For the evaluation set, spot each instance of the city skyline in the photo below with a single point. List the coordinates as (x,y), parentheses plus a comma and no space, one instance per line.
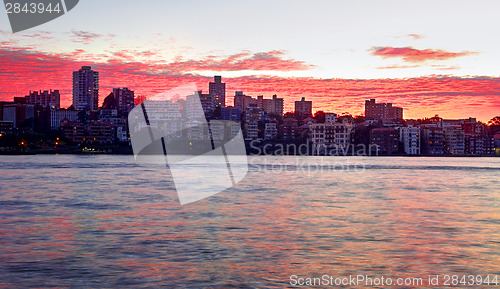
(249,144)
(222,101)
(382,130)
(442,65)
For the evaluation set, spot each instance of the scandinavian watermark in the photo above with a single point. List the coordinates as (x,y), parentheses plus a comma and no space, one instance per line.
(204,157)
(446,280)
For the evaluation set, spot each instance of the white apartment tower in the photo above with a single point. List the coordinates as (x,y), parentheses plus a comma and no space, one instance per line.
(86,89)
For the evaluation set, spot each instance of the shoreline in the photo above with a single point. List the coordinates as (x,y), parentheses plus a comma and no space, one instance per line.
(271,155)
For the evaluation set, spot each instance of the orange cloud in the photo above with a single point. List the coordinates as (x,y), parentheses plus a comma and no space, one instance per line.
(413,55)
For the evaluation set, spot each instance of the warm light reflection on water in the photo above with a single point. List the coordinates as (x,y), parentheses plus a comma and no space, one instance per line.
(104,221)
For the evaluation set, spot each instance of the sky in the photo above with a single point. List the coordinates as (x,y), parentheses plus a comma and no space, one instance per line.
(430,57)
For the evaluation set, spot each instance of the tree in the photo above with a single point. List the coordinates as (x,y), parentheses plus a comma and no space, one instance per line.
(217,113)
(277,117)
(10,141)
(359,119)
(362,135)
(494,121)
(109,101)
(319,116)
(346,115)
(289,114)
(494,125)
(83,117)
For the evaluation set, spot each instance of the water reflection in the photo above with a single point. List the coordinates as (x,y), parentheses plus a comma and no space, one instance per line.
(71,221)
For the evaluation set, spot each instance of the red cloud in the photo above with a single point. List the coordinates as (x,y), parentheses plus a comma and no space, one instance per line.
(244,61)
(410,54)
(450,97)
(263,61)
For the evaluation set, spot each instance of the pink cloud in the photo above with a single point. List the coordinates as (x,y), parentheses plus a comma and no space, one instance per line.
(84,37)
(413,55)
(22,70)
(416,36)
(263,61)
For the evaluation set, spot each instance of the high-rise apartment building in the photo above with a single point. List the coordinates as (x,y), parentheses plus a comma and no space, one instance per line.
(86,89)
(383,111)
(303,109)
(124,99)
(274,105)
(277,105)
(271,106)
(46,98)
(217,90)
(242,101)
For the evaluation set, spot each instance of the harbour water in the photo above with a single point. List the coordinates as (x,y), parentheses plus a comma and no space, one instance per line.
(75,221)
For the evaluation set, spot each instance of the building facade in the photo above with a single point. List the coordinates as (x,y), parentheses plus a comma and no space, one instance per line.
(242,101)
(274,105)
(270,130)
(253,115)
(217,90)
(6,127)
(86,89)
(289,128)
(330,137)
(303,109)
(94,133)
(410,138)
(454,140)
(433,141)
(124,100)
(164,116)
(382,111)
(21,115)
(231,113)
(46,98)
(331,117)
(386,140)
